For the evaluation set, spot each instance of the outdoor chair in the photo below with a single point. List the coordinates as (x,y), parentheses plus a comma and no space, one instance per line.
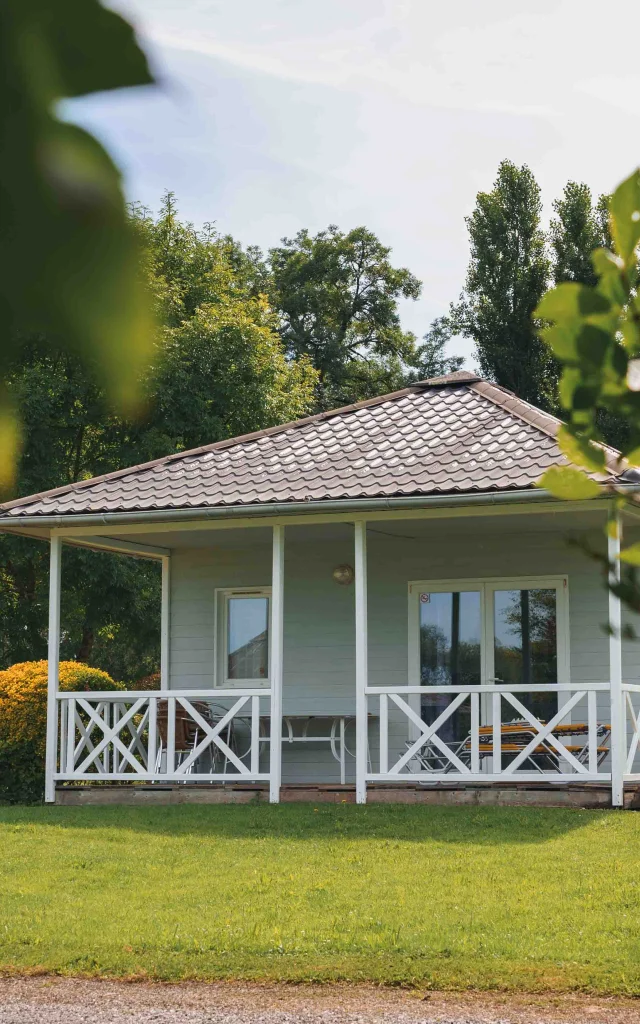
(187,732)
(515,736)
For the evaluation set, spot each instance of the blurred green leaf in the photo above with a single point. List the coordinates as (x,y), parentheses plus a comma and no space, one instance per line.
(69,263)
(608,266)
(96,48)
(570,300)
(625,217)
(569,484)
(631,555)
(580,451)
(562,339)
(592,344)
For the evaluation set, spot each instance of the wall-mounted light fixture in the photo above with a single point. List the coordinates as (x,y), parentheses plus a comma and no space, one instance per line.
(344,575)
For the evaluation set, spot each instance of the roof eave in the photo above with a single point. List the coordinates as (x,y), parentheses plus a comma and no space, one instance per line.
(270,510)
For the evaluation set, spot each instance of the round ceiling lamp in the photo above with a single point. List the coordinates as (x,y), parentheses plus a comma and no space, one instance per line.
(344,575)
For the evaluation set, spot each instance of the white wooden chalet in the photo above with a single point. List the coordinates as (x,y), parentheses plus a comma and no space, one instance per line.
(379,596)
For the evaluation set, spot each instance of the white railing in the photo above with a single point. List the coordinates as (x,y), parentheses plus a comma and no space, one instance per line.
(163,736)
(631,697)
(504,740)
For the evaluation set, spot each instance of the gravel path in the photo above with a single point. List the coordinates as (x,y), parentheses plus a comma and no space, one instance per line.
(48,1000)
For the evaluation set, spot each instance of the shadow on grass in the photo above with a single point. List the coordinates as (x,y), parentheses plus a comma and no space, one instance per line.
(486,826)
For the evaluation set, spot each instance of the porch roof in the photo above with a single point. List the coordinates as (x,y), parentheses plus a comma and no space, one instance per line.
(449,435)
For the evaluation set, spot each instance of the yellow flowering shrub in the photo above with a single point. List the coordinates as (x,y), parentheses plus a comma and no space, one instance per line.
(23,697)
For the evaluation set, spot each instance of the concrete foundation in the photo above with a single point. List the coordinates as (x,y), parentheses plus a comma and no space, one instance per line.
(592,795)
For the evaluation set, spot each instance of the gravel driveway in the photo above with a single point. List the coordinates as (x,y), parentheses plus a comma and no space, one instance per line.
(47,1000)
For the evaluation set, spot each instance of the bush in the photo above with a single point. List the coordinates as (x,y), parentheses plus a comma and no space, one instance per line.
(21,774)
(23,698)
(151,682)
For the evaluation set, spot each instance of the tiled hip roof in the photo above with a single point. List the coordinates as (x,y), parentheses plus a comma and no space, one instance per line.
(451,435)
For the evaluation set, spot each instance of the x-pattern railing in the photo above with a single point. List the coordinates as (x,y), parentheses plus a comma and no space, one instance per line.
(631,693)
(162,735)
(513,742)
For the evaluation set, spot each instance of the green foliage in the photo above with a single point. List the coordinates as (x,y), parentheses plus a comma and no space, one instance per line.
(219,370)
(577,230)
(430,359)
(23,698)
(337,295)
(564,482)
(594,332)
(81,281)
(21,774)
(506,279)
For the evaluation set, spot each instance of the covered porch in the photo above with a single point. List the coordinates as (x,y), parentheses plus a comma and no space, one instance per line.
(445,646)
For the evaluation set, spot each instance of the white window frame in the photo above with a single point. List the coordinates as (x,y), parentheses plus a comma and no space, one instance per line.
(486,586)
(221,619)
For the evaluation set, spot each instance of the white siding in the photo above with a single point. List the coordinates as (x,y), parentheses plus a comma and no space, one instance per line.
(319,614)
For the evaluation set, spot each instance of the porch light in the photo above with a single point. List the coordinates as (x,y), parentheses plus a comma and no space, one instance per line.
(344,575)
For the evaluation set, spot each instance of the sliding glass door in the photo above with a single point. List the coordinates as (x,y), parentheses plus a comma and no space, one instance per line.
(497,632)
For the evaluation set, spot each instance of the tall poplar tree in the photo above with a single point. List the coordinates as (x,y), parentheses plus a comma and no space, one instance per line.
(507,276)
(579,227)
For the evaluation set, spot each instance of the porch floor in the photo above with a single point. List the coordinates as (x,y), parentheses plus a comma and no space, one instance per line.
(587,795)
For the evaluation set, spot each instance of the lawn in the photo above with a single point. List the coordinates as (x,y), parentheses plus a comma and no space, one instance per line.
(500,898)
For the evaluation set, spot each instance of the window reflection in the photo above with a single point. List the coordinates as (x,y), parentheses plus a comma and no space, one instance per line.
(525,644)
(248,638)
(450,631)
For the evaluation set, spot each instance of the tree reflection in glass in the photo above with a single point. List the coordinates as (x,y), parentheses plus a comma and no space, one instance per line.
(525,645)
(450,631)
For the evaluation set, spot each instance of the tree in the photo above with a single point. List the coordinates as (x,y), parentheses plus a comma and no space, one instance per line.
(506,278)
(219,370)
(577,230)
(430,359)
(337,295)
(68,259)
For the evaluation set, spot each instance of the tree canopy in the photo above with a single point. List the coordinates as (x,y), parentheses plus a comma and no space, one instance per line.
(337,296)
(578,228)
(218,369)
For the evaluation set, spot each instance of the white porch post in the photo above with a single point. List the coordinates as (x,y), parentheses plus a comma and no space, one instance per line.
(618,737)
(165,622)
(362,671)
(276,661)
(55,565)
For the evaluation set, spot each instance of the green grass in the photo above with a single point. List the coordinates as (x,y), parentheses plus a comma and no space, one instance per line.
(500,898)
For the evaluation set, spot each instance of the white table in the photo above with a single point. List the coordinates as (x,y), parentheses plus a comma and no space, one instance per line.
(335,736)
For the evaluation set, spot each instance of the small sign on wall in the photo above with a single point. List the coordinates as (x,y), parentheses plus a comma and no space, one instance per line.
(425,598)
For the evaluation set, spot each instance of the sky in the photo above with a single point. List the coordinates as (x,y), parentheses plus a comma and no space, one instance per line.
(274,115)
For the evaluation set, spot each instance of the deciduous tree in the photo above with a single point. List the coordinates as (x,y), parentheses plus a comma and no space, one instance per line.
(337,294)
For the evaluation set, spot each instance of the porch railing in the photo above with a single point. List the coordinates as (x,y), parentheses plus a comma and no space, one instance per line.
(545,750)
(631,697)
(161,736)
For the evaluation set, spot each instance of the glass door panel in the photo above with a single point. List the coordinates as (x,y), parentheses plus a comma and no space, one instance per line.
(450,654)
(525,645)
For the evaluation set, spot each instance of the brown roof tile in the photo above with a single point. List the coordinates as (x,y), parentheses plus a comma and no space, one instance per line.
(448,435)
